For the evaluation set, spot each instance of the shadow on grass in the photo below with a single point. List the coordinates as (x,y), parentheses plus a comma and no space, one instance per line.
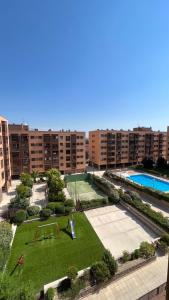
(14,269)
(65,230)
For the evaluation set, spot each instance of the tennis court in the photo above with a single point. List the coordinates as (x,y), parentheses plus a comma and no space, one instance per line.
(81,188)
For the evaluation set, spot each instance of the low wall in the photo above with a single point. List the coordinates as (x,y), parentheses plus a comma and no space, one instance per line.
(160,290)
(144,219)
(92,289)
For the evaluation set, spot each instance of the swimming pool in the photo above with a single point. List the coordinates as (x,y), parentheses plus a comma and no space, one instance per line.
(150,181)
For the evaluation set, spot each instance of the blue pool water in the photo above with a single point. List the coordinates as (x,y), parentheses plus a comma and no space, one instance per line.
(150,181)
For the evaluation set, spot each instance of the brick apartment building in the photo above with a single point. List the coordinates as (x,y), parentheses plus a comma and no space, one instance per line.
(119,148)
(5,167)
(41,150)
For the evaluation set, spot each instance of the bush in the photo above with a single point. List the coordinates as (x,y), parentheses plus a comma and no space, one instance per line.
(56,197)
(33,210)
(5,234)
(109,260)
(60,209)
(114,197)
(45,213)
(126,256)
(165,238)
(93,203)
(19,203)
(72,273)
(99,272)
(127,198)
(50,294)
(19,217)
(26,179)
(52,206)
(68,210)
(134,195)
(135,254)
(69,202)
(146,250)
(23,191)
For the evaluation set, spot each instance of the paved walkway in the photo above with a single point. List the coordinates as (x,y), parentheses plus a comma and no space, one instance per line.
(136,284)
(7,197)
(38,195)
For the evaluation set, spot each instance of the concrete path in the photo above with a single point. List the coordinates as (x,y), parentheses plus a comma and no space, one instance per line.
(38,195)
(7,197)
(136,284)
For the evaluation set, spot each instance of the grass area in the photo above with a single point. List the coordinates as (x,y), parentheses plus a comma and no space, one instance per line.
(48,259)
(85,190)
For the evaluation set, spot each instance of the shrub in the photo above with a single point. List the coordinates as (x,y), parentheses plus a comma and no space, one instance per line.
(127,198)
(56,197)
(93,203)
(146,250)
(50,294)
(126,256)
(109,260)
(52,206)
(163,246)
(135,254)
(33,210)
(60,209)
(19,203)
(45,213)
(134,195)
(72,273)
(23,191)
(165,238)
(99,272)
(5,234)
(68,210)
(26,179)
(69,202)
(19,216)
(114,196)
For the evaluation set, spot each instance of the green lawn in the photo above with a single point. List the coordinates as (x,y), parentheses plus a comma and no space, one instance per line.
(84,190)
(48,259)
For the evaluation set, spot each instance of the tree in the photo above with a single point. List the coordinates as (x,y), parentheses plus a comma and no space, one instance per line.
(110,261)
(147,163)
(26,179)
(99,272)
(51,173)
(161,162)
(146,249)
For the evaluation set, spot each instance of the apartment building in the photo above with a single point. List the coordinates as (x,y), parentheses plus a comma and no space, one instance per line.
(34,150)
(120,148)
(5,168)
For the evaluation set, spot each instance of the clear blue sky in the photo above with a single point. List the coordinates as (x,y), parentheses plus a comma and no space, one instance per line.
(85,64)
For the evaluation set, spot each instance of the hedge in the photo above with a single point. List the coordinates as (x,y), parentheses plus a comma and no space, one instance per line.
(146,209)
(93,203)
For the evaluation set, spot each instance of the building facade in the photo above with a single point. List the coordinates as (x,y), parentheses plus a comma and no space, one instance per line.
(119,148)
(34,150)
(5,167)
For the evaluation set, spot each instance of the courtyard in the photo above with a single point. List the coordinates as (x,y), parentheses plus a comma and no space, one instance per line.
(118,230)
